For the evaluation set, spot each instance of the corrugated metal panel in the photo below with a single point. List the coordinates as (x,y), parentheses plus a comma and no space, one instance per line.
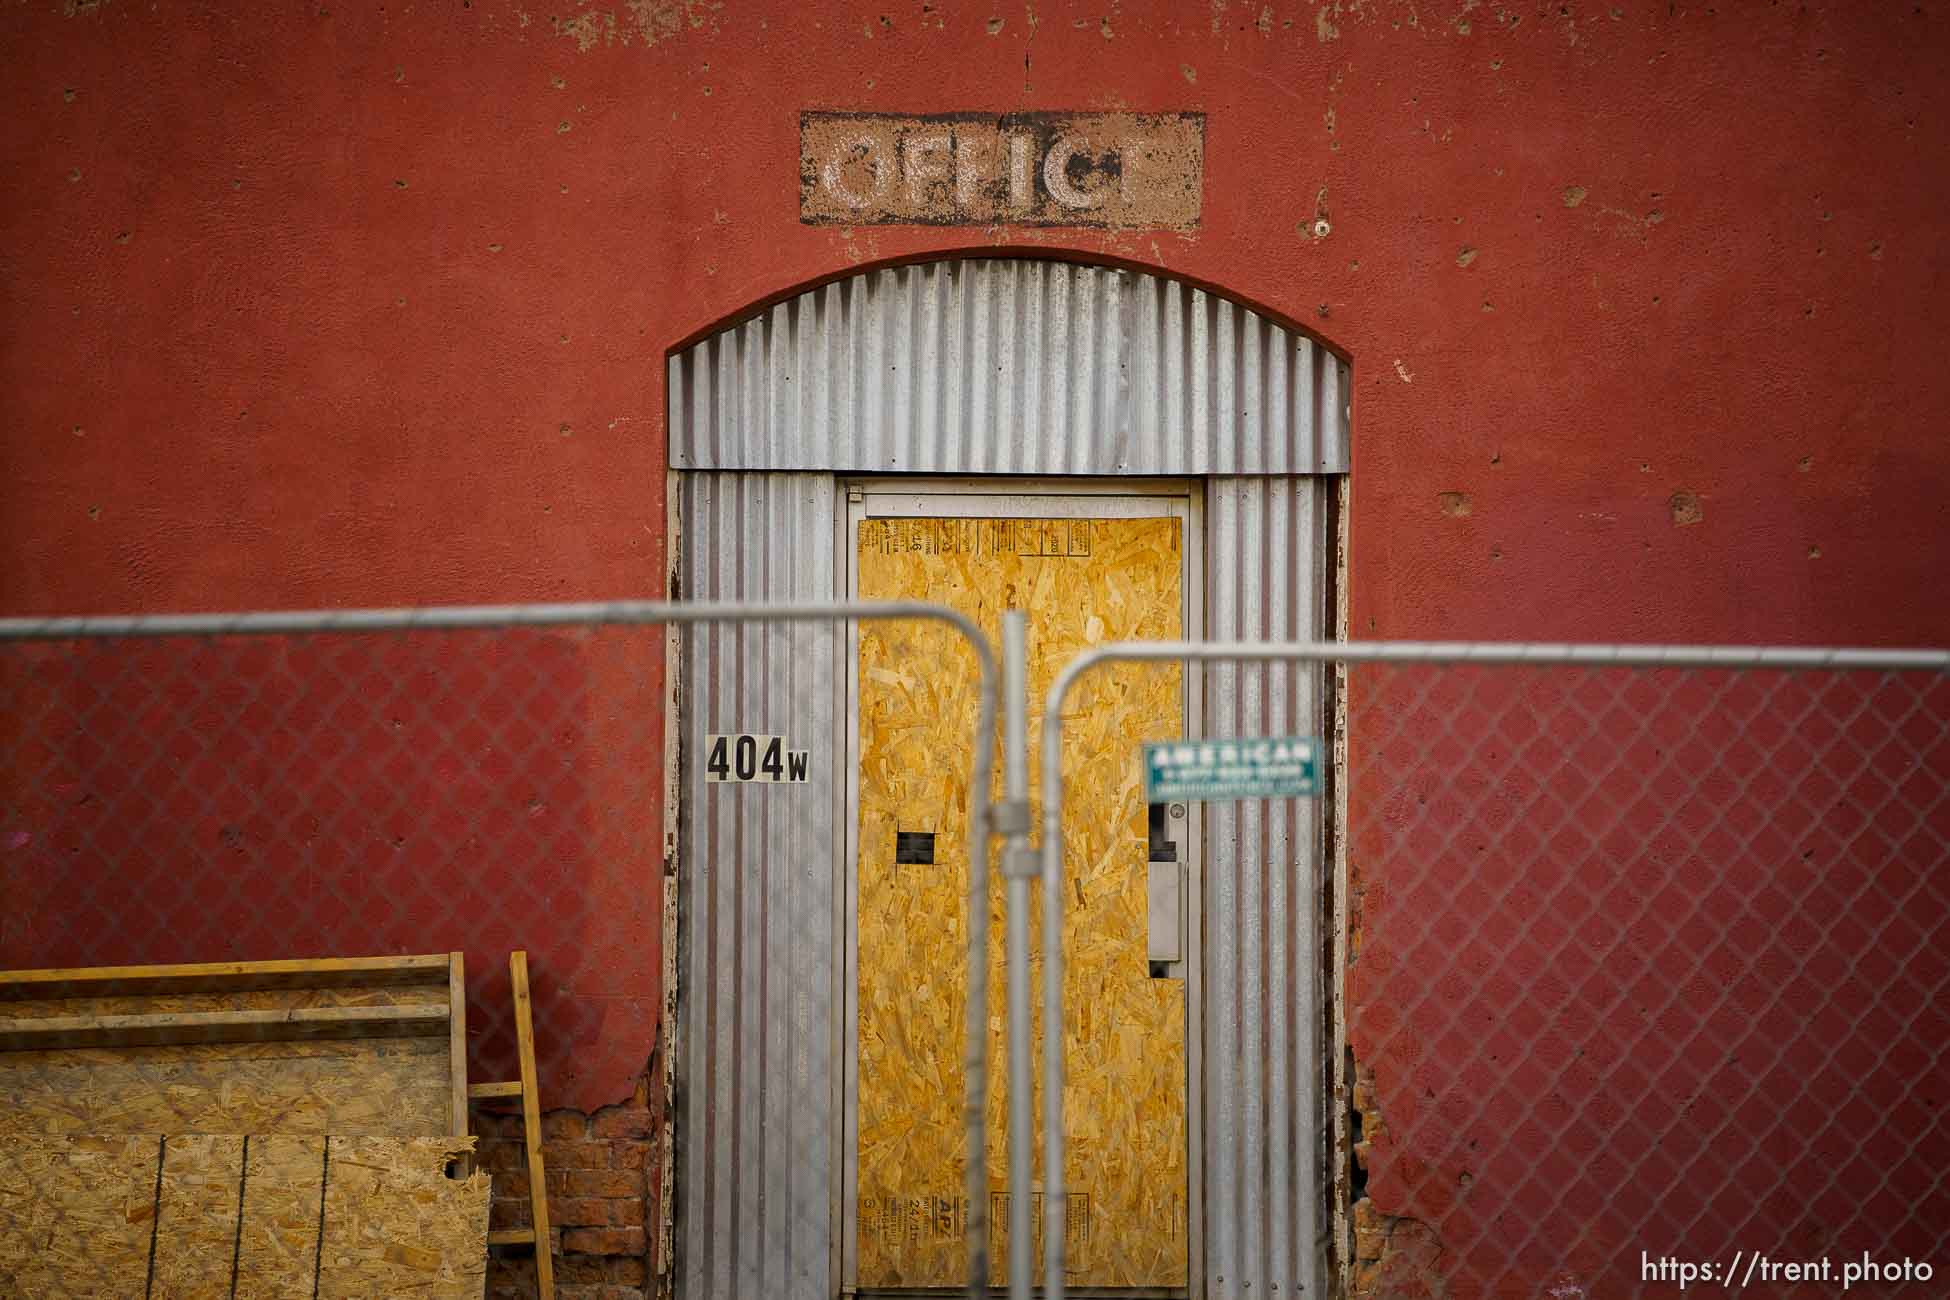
(757,941)
(1264,1145)
(996,366)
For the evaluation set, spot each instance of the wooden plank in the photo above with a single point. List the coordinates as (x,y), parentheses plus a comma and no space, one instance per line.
(198,1200)
(77,1214)
(357,1086)
(168,1028)
(119,981)
(511,1237)
(457,1038)
(483,1091)
(277,1249)
(531,1123)
(254,1217)
(396,1225)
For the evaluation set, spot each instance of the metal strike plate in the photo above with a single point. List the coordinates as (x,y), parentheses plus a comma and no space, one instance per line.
(1165,899)
(1165,890)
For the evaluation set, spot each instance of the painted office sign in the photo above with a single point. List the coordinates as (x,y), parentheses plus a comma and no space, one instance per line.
(984,169)
(743,757)
(1276,767)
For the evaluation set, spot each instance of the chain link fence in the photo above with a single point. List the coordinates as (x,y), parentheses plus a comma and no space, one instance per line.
(278,787)
(1649,975)
(1647,966)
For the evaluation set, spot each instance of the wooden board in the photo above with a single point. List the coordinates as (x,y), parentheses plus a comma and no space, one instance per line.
(197,1217)
(361,1086)
(150,1029)
(233,1048)
(225,977)
(396,1086)
(260,1217)
(76,1215)
(277,1255)
(395,1225)
(1083,582)
(531,1126)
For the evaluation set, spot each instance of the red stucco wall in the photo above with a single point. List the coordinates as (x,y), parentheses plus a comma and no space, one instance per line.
(362,305)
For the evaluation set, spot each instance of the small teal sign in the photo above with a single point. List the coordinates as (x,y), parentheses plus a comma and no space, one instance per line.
(1270,767)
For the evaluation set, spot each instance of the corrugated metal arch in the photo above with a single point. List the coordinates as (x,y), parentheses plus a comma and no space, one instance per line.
(1009,366)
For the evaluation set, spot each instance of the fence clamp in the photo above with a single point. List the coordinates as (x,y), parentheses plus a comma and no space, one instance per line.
(1021,863)
(1010,817)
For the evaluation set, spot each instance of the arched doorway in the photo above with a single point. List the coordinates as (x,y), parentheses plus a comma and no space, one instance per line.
(1126,455)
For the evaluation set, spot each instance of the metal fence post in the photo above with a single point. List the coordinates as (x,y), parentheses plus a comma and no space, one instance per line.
(1018,868)
(637,612)
(1317,652)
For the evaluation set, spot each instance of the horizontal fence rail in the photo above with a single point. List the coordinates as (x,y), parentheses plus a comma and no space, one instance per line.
(1487,780)
(178,788)
(1646,948)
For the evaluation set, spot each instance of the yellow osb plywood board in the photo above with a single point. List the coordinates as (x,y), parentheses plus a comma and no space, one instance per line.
(198,1216)
(1084,582)
(370,1085)
(76,1215)
(396,1225)
(399,1086)
(277,1251)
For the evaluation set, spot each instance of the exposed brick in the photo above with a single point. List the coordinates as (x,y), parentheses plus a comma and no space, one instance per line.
(599,1292)
(579,1212)
(508,1214)
(628,1213)
(512,1186)
(577,1155)
(563,1126)
(586,1269)
(500,1157)
(628,1154)
(490,1125)
(603,1241)
(511,1277)
(621,1123)
(603,1182)
(627,1269)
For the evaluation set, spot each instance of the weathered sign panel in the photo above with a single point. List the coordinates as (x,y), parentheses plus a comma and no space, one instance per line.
(984,169)
(1273,767)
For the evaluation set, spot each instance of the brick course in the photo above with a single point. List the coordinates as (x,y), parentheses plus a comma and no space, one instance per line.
(600,1191)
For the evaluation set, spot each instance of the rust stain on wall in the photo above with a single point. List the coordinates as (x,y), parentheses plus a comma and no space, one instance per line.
(1115,170)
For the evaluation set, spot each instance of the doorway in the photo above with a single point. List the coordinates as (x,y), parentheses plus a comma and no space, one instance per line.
(1089,562)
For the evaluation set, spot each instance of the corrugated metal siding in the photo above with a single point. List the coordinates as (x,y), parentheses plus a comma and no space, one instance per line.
(994,366)
(1264,1146)
(757,942)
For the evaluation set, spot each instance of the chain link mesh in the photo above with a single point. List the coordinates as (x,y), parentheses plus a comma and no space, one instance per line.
(195,799)
(1644,965)
(1647,966)
(199,799)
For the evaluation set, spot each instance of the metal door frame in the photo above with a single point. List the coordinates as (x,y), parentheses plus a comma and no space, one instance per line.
(1073,498)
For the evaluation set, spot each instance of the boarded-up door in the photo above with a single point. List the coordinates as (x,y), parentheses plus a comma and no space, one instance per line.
(1083,580)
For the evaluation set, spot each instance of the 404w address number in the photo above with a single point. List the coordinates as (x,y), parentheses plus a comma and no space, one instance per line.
(741,757)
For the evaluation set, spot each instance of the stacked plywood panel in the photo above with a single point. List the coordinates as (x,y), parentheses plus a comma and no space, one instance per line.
(263,1129)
